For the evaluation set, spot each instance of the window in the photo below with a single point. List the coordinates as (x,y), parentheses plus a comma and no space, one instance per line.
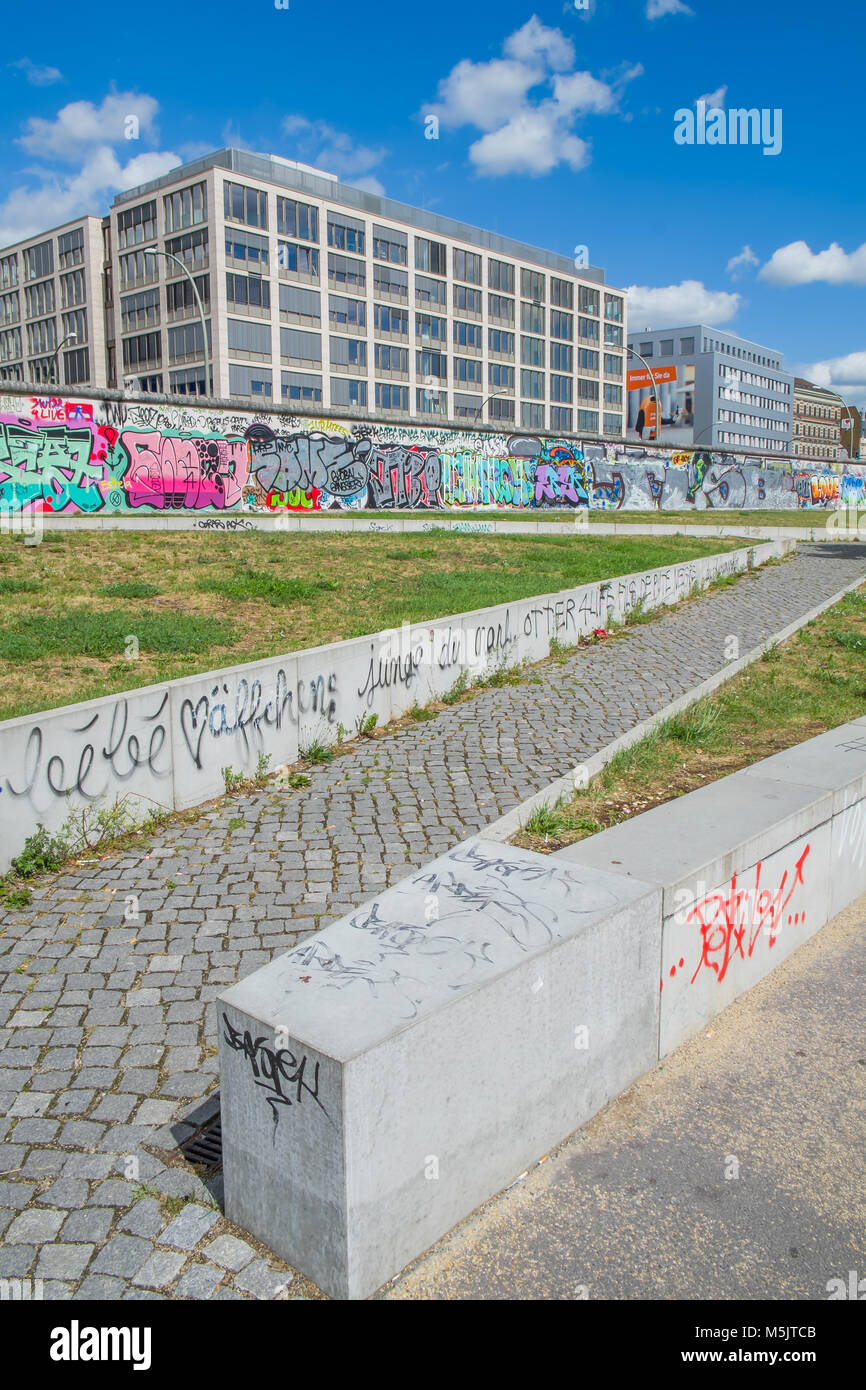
(248,205)
(301,346)
(531,416)
(389,320)
(666,347)
(248,289)
(8,271)
(245,335)
(299,220)
(343,271)
(561,325)
(394,283)
(347,312)
(561,293)
(500,276)
(588,328)
(137,226)
(138,269)
(612,394)
(345,234)
(192,249)
(390,397)
(587,360)
(300,302)
(180,300)
(532,284)
(250,381)
(348,352)
(612,424)
(532,384)
(588,420)
(139,311)
(467,335)
(561,388)
(646,349)
(300,260)
(70,248)
(246,246)
(430,328)
(532,352)
(142,351)
(431,402)
(76,366)
(467,266)
(467,370)
(39,261)
(500,341)
(500,409)
(430,291)
(499,307)
(185,208)
(39,299)
(561,418)
(390,245)
(429,363)
(10,308)
(587,390)
(187,382)
(613,307)
(186,340)
(430,256)
(612,364)
(612,335)
(499,375)
(72,289)
(532,318)
(687,344)
(301,386)
(587,300)
(10,344)
(467,301)
(391,359)
(562,357)
(348,393)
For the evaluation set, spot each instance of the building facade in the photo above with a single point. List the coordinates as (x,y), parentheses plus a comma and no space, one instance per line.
(322,295)
(51,287)
(715,390)
(817,422)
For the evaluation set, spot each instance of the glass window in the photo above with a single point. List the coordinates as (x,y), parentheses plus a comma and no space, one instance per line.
(139,311)
(532,352)
(430,256)
(390,282)
(612,333)
(248,289)
(345,392)
(612,394)
(500,341)
(344,234)
(139,351)
(467,266)
(500,276)
(246,335)
(76,366)
(499,307)
(561,418)
(587,360)
(347,312)
(468,370)
(646,349)
(431,402)
(250,381)
(561,293)
(588,420)
(532,285)
(186,340)
(392,397)
(501,375)
(246,246)
(532,318)
(348,352)
(8,271)
(305,347)
(39,261)
(613,307)
(391,359)
(532,384)
(467,301)
(430,291)
(467,334)
(561,388)
(300,260)
(186,207)
(390,245)
(562,358)
(70,248)
(179,298)
(301,386)
(300,220)
(10,308)
(587,299)
(191,248)
(561,324)
(500,409)
(429,363)
(72,289)
(39,299)
(687,344)
(343,271)
(666,347)
(587,390)
(387,319)
(10,344)
(138,269)
(531,416)
(612,424)
(304,303)
(588,328)
(612,364)
(136,226)
(248,205)
(429,326)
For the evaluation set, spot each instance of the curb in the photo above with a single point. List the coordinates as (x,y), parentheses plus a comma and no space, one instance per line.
(509,824)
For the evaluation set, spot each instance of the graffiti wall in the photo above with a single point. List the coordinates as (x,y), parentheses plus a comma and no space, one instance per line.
(92,456)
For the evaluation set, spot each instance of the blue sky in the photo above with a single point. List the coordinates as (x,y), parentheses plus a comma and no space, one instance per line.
(555,125)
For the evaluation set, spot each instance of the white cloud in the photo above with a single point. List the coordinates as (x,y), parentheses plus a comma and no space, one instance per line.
(522,135)
(843,374)
(37,75)
(741,262)
(323,145)
(368,184)
(716,98)
(797,264)
(81,125)
(657,8)
(688,302)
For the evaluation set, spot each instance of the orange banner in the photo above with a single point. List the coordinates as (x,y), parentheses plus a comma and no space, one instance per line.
(640,376)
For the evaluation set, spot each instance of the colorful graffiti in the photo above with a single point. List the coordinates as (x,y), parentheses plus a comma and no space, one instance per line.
(66,456)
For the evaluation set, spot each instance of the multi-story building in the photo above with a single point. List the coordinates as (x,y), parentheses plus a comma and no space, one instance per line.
(817,421)
(715,390)
(322,295)
(51,288)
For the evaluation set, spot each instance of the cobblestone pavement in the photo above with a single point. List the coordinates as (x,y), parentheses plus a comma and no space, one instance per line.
(107,1026)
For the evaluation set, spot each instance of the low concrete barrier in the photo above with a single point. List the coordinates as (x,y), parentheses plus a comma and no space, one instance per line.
(166,745)
(387,1076)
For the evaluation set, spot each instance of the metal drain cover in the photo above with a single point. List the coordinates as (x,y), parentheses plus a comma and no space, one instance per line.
(204,1149)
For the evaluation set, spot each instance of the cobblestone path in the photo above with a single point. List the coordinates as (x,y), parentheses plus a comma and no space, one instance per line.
(107,1026)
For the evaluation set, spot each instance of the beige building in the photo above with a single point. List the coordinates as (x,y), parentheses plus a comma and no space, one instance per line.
(51,288)
(331,298)
(817,422)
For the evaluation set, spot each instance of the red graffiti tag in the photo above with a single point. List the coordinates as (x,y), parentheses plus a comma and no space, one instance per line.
(731,924)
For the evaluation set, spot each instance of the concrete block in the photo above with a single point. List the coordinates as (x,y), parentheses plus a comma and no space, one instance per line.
(382,1080)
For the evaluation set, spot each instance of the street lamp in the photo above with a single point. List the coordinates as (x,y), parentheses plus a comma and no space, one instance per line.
(503,391)
(52,361)
(851,428)
(155,251)
(655,392)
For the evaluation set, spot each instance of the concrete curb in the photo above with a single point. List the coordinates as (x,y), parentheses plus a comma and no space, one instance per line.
(509,824)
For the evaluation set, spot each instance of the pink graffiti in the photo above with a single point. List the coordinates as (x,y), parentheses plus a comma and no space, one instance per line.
(732,924)
(179,472)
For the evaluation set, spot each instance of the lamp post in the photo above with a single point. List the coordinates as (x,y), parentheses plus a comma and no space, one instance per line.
(52,361)
(655,392)
(503,391)
(155,251)
(851,428)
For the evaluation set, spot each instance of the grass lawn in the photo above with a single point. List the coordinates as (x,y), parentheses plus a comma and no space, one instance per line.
(814,682)
(815,516)
(197,601)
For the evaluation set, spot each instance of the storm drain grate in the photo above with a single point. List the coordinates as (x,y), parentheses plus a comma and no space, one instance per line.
(204,1149)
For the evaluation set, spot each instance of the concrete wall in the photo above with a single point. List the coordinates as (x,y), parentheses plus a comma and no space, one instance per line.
(166,745)
(100,456)
(382,1080)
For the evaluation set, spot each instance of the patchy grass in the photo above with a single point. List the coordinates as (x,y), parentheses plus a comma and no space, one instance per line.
(813,682)
(713,516)
(210,600)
